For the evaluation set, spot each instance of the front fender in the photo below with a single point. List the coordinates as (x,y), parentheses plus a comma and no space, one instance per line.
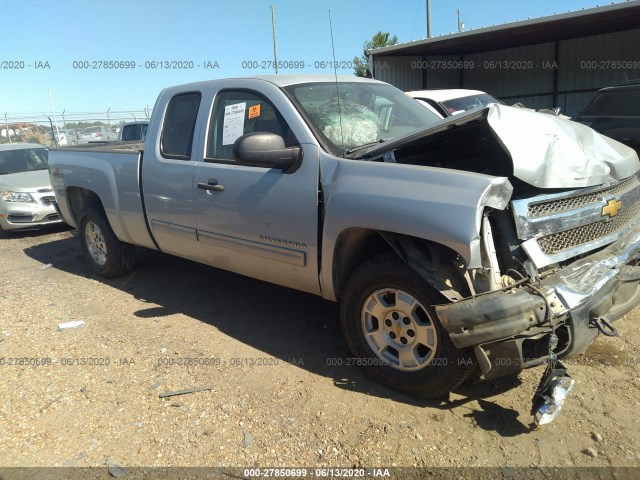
(440,205)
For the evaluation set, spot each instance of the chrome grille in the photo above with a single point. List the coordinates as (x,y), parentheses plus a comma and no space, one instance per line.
(570,203)
(48,200)
(560,226)
(558,242)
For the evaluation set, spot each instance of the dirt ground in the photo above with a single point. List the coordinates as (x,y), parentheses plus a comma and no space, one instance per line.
(272,395)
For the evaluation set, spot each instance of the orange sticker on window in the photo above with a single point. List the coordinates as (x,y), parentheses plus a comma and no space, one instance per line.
(254,111)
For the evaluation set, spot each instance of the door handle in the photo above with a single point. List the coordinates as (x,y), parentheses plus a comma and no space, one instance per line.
(211,184)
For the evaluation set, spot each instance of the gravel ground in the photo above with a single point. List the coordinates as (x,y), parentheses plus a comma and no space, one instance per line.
(261,356)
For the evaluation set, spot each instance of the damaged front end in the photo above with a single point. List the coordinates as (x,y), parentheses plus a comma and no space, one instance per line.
(576,302)
(554,267)
(569,268)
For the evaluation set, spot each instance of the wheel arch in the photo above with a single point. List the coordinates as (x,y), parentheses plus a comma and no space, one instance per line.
(438,265)
(80,199)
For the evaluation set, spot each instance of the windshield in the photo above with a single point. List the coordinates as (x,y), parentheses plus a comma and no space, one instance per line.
(23,160)
(459,105)
(362,114)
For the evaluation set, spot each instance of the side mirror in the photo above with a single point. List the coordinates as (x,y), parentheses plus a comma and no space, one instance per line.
(262,149)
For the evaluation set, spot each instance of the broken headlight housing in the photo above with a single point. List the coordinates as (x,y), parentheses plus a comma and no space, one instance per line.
(555,386)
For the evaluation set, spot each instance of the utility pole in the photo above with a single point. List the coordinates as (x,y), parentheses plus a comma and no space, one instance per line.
(55,120)
(428,18)
(460,23)
(7,127)
(273,26)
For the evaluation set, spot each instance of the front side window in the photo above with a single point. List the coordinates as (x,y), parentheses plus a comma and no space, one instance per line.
(179,125)
(236,113)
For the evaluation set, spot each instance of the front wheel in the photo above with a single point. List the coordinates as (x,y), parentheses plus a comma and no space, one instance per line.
(393,331)
(107,256)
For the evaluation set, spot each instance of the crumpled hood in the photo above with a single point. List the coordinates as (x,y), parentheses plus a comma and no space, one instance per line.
(551,152)
(546,151)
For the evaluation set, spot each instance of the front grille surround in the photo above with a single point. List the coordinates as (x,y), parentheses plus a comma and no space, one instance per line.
(557,227)
(542,209)
(561,241)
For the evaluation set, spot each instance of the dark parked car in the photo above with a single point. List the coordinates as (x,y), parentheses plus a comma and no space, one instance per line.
(615,112)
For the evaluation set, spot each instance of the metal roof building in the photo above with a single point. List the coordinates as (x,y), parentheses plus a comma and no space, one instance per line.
(558,60)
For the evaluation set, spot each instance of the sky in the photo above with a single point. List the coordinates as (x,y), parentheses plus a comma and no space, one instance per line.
(56,52)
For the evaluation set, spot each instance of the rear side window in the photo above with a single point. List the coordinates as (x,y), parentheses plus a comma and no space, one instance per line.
(179,125)
(616,103)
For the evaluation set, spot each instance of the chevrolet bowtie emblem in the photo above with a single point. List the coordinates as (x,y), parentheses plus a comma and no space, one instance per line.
(612,208)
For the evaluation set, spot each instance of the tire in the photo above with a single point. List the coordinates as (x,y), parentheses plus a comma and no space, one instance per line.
(107,256)
(3,233)
(407,349)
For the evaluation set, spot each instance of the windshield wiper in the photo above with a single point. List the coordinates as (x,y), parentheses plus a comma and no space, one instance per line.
(360,147)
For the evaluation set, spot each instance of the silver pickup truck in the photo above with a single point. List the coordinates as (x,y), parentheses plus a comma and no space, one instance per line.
(490,241)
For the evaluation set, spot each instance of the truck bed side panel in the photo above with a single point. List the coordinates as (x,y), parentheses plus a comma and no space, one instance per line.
(114,177)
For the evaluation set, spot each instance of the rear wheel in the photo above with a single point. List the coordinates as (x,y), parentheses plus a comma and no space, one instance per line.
(393,331)
(107,256)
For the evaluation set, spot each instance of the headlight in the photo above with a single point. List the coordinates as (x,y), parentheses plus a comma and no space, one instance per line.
(551,399)
(547,413)
(561,387)
(8,196)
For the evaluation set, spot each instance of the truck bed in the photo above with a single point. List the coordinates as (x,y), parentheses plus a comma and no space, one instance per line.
(111,172)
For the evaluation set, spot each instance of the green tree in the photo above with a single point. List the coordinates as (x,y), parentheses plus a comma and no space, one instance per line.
(380,39)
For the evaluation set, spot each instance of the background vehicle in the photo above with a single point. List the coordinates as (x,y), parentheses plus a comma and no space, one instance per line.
(447,102)
(96,134)
(482,238)
(68,138)
(26,196)
(131,131)
(453,101)
(615,112)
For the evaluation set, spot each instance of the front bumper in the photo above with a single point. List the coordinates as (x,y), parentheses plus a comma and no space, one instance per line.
(505,328)
(26,216)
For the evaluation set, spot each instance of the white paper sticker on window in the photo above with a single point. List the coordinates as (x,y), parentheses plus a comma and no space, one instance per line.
(233,126)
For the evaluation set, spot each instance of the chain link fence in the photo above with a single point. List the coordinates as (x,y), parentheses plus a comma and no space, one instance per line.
(62,129)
